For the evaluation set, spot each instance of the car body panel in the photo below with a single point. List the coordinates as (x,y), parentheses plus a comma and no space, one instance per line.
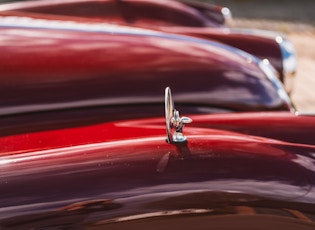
(49,78)
(130,168)
(187,18)
(285,126)
(161,12)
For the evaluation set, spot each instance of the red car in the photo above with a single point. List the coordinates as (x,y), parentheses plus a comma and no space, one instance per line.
(180,17)
(89,139)
(230,171)
(55,64)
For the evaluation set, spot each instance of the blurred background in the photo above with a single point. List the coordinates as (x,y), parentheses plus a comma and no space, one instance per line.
(295,19)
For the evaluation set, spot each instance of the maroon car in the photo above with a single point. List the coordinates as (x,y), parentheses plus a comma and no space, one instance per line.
(231,171)
(89,139)
(180,17)
(54,64)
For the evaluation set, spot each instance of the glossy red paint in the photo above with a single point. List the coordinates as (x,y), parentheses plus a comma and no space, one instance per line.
(187,18)
(276,126)
(40,63)
(280,126)
(139,167)
(264,47)
(153,12)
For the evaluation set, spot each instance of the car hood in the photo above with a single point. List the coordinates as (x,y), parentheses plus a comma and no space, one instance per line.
(59,64)
(134,170)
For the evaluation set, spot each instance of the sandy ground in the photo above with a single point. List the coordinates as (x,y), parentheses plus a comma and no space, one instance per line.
(304,92)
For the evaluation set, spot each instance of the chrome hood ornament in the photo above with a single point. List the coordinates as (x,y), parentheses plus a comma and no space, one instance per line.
(174,123)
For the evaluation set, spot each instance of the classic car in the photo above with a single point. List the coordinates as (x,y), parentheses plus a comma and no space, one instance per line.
(89,140)
(251,170)
(180,17)
(55,64)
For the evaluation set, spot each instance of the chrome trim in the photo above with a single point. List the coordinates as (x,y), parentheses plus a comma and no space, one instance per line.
(289,62)
(227,15)
(271,74)
(174,123)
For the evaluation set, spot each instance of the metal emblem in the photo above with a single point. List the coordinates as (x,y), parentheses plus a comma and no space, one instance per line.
(174,123)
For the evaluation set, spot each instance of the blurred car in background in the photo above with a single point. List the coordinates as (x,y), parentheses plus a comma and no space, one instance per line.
(191,18)
(55,64)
